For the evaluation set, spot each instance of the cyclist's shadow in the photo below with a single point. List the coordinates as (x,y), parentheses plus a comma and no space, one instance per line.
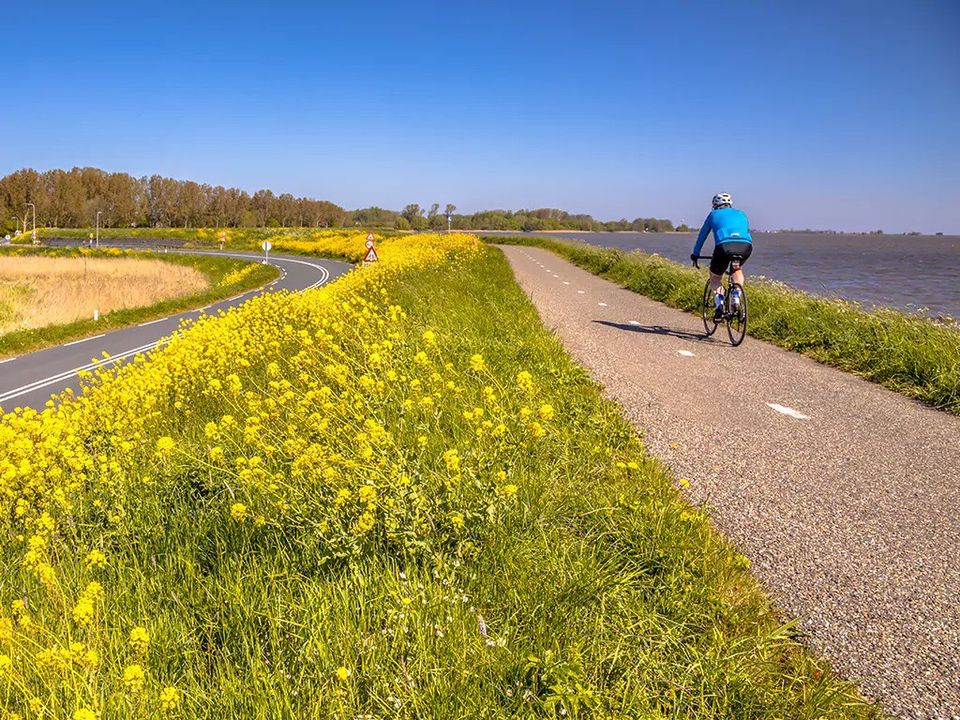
(657,330)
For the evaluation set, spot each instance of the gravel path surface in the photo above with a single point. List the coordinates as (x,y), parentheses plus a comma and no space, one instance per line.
(848,513)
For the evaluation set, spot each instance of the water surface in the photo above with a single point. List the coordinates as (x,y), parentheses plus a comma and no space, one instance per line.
(916,273)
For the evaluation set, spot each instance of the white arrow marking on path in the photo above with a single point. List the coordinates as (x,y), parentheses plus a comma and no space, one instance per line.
(788,411)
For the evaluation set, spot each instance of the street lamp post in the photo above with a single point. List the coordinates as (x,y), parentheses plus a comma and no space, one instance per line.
(98,229)
(31,205)
(16,223)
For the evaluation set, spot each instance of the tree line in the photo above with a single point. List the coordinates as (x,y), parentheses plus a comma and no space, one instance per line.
(414,217)
(72,198)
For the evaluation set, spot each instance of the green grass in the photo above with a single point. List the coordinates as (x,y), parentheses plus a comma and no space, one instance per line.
(217,269)
(245,238)
(909,354)
(602,593)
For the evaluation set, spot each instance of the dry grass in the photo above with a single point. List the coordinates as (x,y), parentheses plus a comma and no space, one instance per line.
(40,291)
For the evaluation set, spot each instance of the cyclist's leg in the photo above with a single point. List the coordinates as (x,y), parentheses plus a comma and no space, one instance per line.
(743,250)
(718,266)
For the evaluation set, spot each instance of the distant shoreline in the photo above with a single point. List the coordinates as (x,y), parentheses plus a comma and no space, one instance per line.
(693,231)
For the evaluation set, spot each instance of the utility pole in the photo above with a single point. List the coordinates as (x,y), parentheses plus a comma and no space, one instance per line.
(31,205)
(98,229)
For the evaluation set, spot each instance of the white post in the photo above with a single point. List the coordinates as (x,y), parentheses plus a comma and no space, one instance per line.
(98,229)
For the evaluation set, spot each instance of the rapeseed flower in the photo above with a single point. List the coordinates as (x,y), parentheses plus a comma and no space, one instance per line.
(169,699)
(134,678)
(83,612)
(139,640)
(525,382)
(95,560)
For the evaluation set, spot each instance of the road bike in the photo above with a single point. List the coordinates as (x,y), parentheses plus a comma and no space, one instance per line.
(734,313)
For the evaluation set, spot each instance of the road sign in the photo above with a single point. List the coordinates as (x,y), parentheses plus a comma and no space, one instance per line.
(370,257)
(369,244)
(267,246)
(369,238)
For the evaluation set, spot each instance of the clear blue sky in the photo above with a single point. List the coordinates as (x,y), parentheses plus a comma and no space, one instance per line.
(822,113)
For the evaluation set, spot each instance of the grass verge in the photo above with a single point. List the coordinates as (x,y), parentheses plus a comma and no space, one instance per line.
(227,277)
(238,238)
(395,496)
(911,355)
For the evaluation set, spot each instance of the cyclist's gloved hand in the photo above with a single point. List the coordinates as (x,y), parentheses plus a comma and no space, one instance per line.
(693,258)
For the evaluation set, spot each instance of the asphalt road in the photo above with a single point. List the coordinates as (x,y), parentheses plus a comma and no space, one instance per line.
(29,380)
(843,495)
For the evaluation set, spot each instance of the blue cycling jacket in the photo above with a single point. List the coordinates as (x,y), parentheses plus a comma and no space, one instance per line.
(728,225)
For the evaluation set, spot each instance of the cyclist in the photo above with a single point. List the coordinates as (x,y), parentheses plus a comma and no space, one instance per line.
(731,236)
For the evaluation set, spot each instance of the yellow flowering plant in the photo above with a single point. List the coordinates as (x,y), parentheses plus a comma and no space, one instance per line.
(380,498)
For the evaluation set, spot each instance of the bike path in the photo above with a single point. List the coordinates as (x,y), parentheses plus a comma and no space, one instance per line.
(29,380)
(844,495)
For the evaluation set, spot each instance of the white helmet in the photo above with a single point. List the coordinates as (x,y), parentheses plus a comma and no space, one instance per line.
(722,200)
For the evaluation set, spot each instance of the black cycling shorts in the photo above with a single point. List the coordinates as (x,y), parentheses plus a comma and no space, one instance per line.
(724,253)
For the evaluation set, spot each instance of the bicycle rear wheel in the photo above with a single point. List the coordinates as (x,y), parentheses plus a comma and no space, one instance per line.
(736,315)
(707,309)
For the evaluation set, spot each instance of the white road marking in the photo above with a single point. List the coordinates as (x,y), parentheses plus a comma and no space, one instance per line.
(153,321)
(103,362)
(37,384)
(685,353)
(581,291)
(566,282)
(9,359)
(788,411)
(602,304)
(77,342)
(634,322)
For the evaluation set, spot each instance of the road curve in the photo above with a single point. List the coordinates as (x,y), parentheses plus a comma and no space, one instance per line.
(30,379)
(844,495)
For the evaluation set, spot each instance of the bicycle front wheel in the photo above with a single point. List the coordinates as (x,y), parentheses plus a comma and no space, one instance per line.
(736,314)
(707,310)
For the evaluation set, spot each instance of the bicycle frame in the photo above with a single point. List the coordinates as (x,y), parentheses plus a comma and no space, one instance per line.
(730,313)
